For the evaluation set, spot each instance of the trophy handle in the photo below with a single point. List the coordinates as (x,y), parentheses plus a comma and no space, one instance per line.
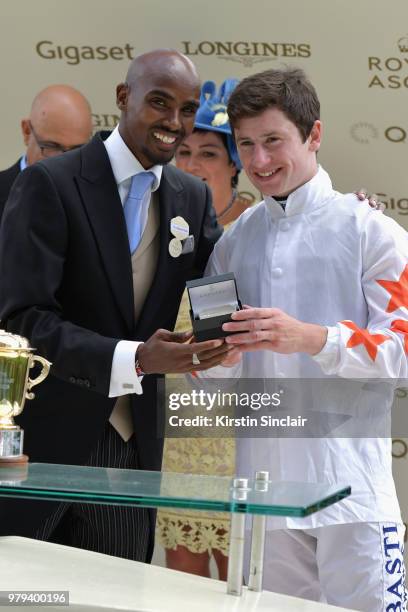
(43,374)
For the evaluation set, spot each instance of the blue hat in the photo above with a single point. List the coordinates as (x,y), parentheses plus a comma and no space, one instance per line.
(212,113)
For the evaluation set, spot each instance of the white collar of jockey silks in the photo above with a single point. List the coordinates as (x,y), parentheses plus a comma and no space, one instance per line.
(305,198)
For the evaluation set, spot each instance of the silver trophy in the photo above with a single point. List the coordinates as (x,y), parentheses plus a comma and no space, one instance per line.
(16,360)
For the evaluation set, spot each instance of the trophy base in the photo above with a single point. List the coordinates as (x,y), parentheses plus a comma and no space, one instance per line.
(11,446)
(14,470)
(8,462)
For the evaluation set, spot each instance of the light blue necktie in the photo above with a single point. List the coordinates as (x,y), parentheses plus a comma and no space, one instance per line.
(141,182)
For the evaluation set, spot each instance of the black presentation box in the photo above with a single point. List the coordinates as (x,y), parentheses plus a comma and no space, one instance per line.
(212,301)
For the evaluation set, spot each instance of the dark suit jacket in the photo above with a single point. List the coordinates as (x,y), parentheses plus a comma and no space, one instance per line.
(66,284)
(7,178)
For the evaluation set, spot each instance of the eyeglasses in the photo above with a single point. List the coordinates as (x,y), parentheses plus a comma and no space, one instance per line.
(49,149)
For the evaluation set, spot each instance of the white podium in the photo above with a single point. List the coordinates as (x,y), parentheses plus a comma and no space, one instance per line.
(100,582)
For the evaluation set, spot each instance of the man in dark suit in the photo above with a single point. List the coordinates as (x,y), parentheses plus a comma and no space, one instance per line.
(91,303)
(60,120)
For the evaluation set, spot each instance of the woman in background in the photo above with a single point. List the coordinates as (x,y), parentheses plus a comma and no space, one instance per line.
(191,538)
(210,153)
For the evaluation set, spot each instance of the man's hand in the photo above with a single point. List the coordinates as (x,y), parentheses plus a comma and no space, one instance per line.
(274,330)
(170,353)
(374,202)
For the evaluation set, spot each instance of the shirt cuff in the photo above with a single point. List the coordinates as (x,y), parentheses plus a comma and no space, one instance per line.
(124,379)
(329,357)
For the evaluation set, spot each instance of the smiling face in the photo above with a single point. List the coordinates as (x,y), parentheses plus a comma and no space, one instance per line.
(204,154)
(158,110)
(273,153)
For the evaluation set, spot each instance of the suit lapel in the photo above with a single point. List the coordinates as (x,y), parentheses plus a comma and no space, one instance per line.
(101,200)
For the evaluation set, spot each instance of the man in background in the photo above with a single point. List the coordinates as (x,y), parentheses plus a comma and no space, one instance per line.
(60,120)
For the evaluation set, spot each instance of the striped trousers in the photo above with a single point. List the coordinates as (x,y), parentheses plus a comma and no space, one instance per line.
(121,531)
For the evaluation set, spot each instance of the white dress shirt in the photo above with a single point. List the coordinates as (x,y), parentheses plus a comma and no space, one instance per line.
(124,164)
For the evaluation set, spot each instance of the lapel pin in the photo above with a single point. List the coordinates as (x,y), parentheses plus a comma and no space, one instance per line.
(175,247)
(179,228)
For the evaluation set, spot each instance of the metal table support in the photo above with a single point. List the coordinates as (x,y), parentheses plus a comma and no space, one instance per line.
(258,538)
(237,540)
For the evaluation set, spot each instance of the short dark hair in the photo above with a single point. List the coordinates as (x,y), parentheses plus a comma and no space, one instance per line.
(287,89)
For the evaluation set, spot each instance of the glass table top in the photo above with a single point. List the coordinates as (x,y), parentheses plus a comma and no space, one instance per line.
(163,489)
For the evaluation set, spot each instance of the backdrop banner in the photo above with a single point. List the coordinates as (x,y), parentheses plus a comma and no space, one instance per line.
(355,54)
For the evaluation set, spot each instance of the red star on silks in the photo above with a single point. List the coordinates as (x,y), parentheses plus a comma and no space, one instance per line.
(401,327)
(398,290)
(363,336)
